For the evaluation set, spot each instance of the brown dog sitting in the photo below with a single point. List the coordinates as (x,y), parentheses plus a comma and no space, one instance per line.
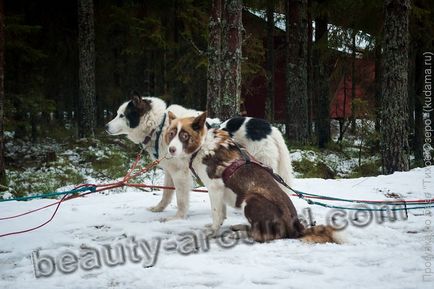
(231,178)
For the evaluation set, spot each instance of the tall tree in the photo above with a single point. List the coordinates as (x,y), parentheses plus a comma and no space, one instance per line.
(296,71)
(2,91)
(269,105)
(86,71)
(214,59)
(309,67)
(394,108)
(321,79)
(224,63)
(421,25)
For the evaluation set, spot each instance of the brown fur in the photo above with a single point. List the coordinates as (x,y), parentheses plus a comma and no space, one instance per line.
(320,234)
(142,106)
(268,209)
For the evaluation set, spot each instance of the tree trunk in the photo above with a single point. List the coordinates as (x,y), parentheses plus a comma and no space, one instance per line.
(296,70)
(309,68)
(321,76)
(378,82)
(86,45)
(224,59)
(418,108)
(2,92)
(394,108)
(269,106)
(353,81)
(214,59)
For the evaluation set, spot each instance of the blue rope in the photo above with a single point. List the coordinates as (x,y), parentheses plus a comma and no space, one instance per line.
(403,208)
(396,202)
(52,194)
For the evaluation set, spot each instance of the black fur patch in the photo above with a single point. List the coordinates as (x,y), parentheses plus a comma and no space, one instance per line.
(234,124)
(257,129)
(132,114)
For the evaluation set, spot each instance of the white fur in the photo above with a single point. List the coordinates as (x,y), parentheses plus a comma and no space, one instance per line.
(218,193)
(176,171)
(150,121)
(271,151)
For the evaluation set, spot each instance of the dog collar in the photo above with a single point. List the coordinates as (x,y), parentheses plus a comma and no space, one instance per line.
(157,140)
(190,164)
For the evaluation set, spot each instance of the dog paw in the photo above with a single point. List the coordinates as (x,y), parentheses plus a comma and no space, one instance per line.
(209,232)
(239,227)
(156,209)
(172,218)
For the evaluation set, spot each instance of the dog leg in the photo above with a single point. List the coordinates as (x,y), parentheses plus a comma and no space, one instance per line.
(167,194)
(217,208)
(183,183)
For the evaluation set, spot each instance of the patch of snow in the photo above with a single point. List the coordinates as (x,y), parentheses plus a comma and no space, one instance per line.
(387,255)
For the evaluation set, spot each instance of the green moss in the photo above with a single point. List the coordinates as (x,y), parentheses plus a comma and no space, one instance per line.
(367,169)
(42,181)
(114,166)
(310,169)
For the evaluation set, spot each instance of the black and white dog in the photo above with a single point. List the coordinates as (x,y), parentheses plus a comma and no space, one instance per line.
(144,120)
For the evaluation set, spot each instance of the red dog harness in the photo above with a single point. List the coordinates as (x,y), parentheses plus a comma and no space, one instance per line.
(236,164)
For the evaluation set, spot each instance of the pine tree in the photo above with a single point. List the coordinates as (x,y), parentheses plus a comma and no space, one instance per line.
(2,92)
(394,108)
(224,63)
(214,59)
(322,93)
(269,105)
(296,76)
(86,46)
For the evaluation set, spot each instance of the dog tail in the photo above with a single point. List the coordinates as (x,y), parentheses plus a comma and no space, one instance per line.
(285,165)
(320,234)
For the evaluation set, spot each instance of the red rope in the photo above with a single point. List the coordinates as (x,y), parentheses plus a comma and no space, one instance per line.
(39,226)
(101,187)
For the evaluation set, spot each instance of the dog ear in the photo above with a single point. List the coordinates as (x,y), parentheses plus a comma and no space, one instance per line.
(142,105)
(199,121)
(172,116)
(136,100)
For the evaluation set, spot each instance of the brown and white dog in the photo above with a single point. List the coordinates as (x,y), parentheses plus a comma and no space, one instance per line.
(211,153)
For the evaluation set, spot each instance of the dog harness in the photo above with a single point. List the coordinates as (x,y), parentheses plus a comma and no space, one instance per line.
(234,166)
(155,151)
(157,141)
(246,159)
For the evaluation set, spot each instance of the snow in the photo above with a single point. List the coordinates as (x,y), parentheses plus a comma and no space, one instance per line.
(340,163)
(387,255)
(362,39)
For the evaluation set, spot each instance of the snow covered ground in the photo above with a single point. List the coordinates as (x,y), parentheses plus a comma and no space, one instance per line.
(387,255)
